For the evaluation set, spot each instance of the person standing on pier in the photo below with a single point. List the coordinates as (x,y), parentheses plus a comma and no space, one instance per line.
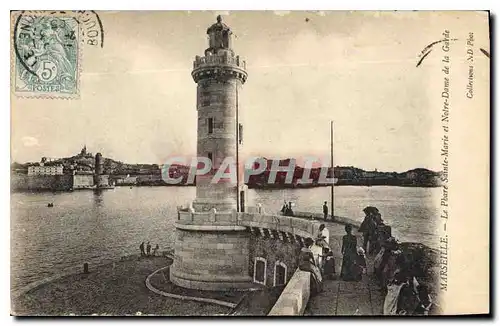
(349,255)
(289,211)
(328,264)
(148,249)
(317,251)
(141,247)
(359,268)
(380,233)
(155,250)
(323,237)
(325,210)
(368,226)
(284,208)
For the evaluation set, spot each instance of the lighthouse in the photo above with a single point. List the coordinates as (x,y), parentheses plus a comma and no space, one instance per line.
(211,249)
(219,74)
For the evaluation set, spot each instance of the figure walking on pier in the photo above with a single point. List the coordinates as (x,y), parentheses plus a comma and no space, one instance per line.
(325,210)
(141,248)
(368,227)
(284,208)
(289,211)
(349,255)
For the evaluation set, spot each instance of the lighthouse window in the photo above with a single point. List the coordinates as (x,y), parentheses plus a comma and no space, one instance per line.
(210,125)
(225,39)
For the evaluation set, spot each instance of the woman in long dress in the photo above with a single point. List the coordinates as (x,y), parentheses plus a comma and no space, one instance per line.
(349,255)
(307,262)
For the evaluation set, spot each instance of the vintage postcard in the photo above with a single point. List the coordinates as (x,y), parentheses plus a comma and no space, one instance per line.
(250,163)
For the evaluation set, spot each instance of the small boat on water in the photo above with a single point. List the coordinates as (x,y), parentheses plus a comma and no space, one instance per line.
(50,205)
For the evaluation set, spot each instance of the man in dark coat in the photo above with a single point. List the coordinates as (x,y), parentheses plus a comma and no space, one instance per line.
(289,211)
(148,249)
(325,210)
(368,226)
(141,247)
(284,208)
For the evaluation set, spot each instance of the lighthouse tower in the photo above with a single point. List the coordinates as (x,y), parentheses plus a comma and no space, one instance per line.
(219,75)
(211,249)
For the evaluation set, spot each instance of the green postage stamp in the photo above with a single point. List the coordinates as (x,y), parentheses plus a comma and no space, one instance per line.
(45,55)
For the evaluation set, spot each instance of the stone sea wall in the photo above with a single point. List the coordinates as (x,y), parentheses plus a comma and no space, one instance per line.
(294,298)
(274,252)
(23,182)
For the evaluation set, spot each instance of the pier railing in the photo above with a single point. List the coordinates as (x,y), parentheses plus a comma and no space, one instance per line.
(287,224)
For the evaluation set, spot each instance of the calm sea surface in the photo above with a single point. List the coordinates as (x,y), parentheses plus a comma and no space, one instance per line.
(84,226)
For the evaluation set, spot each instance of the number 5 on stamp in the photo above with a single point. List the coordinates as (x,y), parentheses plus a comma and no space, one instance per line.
(46,55)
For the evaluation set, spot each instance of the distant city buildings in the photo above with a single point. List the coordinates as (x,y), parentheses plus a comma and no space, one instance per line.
(370,174)
(81,170)
(83,180)
(45,170)
(344,172)
(126,180)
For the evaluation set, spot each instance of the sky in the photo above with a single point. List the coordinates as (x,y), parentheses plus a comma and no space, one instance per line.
(138,99)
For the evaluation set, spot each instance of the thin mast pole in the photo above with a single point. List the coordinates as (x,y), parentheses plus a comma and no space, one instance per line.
(237,153)
(332,169)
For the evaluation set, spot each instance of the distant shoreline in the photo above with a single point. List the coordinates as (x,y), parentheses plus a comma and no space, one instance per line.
(337,185)
(259,187)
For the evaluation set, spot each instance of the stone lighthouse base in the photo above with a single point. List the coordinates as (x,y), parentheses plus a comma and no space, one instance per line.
(211,257)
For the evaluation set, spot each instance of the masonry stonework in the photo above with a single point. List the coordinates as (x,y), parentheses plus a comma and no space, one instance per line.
(274,250)
(26,182)
(209,260)
(213,254)
(219,75)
